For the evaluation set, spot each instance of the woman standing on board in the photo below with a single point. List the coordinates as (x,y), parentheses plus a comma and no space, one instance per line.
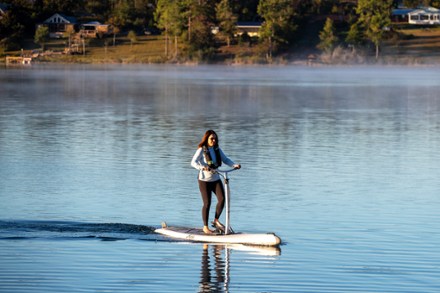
(208,158)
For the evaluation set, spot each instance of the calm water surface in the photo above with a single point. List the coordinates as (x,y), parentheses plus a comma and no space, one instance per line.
(342,163)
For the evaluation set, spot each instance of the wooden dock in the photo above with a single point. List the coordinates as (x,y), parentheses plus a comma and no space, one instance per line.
(18,60)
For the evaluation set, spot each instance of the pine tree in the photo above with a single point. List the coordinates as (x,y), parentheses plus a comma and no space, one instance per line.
(200,15)
(132,37)
(328,37)
(169,18)
(374,16)
(41,36)
(227,20)
(278,23)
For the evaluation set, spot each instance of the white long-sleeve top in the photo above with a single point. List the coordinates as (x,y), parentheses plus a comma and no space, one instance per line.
(199,162)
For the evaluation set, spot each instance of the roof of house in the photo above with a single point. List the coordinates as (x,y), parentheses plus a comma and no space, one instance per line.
(60,18)
(249,24)
(401,11)
(92,23)
(425,10)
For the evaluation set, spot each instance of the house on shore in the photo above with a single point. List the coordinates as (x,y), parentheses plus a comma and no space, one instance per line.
(58,24)
(250,28)
(418,16)
(400,15)
(95,29)
(424,16)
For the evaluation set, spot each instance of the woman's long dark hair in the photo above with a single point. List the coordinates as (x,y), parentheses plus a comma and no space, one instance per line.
(204,141)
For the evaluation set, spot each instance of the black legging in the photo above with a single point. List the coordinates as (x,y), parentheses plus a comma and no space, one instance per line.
(206,189)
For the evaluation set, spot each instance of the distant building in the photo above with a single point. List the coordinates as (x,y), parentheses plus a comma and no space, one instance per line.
(400,15)
(58,24)
(251,28)
(95,29)
(425,15)
(421,15)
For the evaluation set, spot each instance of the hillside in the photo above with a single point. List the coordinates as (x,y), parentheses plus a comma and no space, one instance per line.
(414,46)
(407,46)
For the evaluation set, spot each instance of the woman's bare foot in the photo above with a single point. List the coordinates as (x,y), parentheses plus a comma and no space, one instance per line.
(206,230)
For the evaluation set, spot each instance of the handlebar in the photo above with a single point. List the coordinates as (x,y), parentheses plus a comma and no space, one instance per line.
(224,173)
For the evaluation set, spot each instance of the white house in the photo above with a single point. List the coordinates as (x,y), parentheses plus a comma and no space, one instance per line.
(426,15)
(251,28)
(401,14)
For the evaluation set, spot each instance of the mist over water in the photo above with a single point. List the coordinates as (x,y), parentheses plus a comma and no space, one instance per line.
(342,163)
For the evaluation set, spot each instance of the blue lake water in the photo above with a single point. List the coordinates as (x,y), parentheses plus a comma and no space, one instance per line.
(342,163)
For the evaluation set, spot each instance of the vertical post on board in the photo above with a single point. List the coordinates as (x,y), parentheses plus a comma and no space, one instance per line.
(227,203)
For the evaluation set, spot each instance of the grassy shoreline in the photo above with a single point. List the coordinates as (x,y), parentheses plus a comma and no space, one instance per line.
(415,46)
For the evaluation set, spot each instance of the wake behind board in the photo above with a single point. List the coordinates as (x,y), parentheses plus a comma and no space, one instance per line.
(197,235)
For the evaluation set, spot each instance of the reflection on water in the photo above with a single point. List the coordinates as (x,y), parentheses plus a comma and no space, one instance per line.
(341,163)
(215,272)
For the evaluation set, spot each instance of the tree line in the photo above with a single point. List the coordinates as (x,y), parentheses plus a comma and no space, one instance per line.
(187,25)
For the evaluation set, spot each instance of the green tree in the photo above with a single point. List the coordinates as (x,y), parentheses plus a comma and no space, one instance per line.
(374,17)
(123,13)
(163,19)
(41,36)
(132,37)
(200,16)
(411,3)
(168,17)
(278,23)
(355,36)
(115,30)
(68,7)
(14,24)
(227,20)
(98,7)
(70,31)
(435,3)
(328,37)
(246,9)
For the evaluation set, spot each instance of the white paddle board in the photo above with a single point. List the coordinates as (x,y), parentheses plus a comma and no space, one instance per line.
(197,235)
